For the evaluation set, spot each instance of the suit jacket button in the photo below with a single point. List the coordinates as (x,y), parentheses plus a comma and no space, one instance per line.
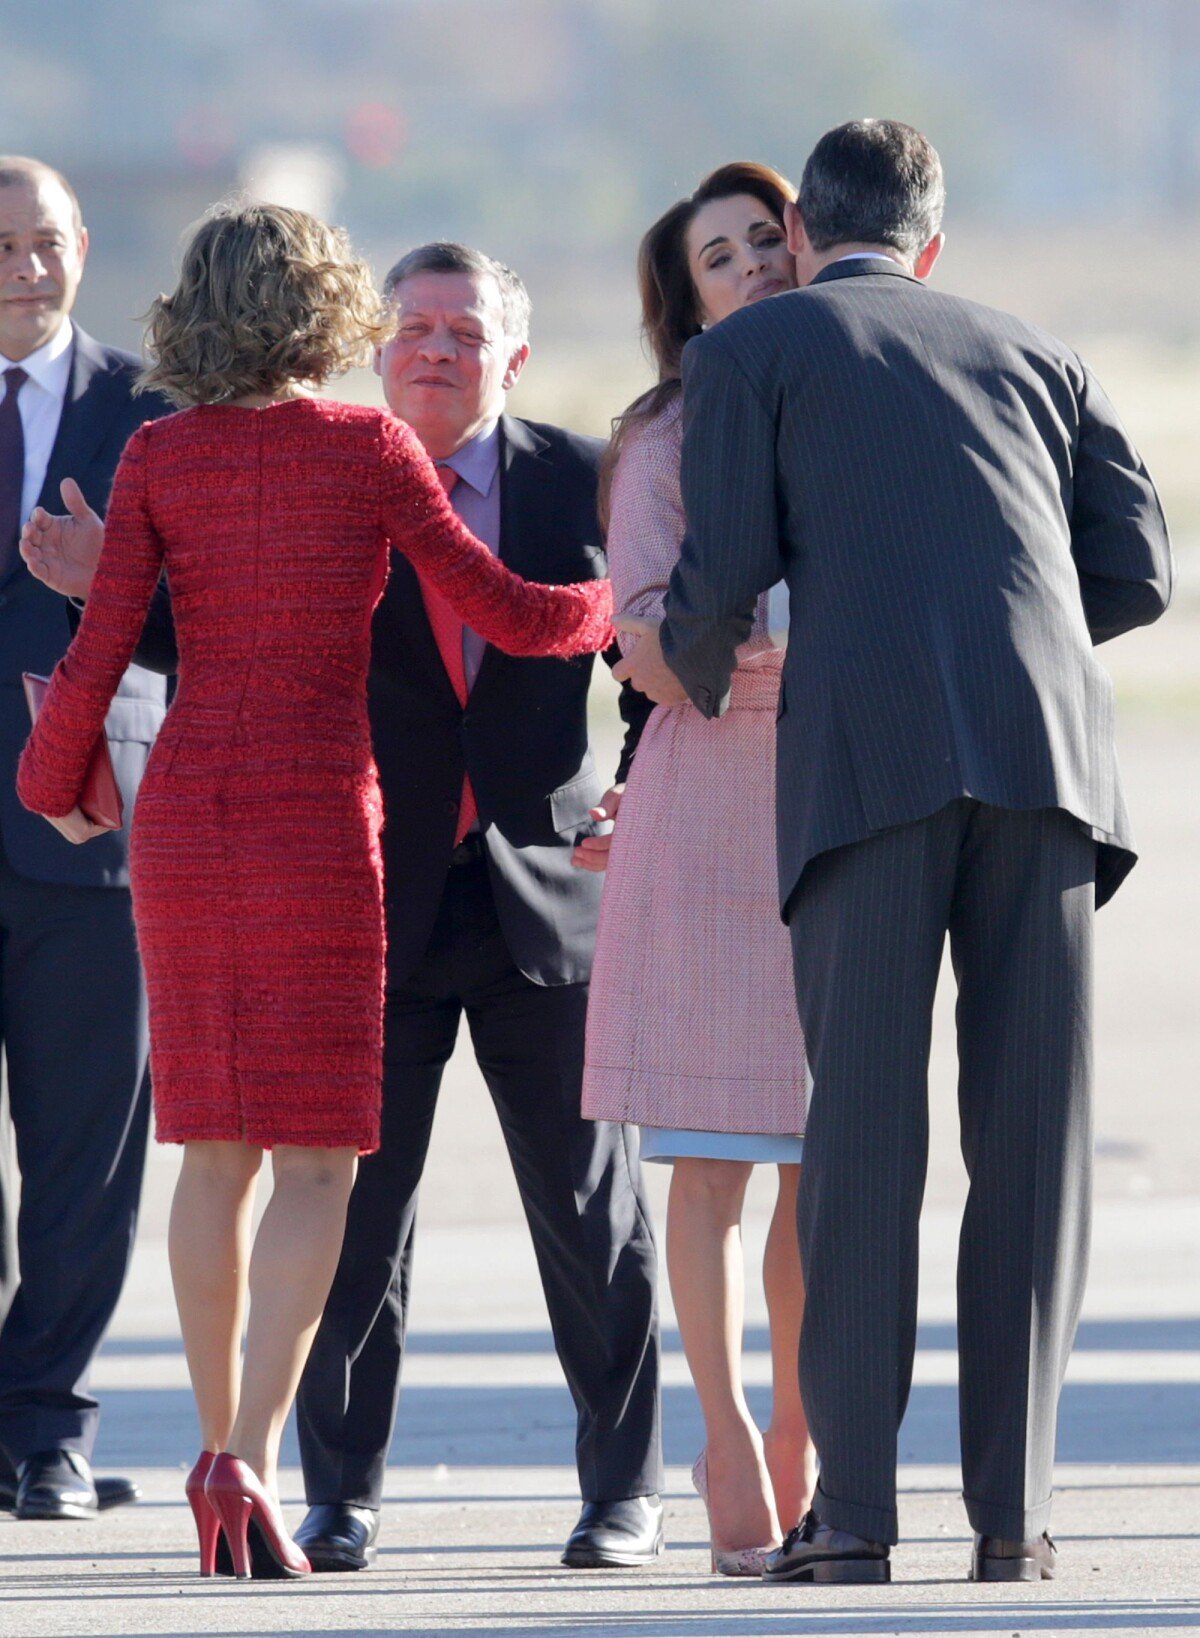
(451,807)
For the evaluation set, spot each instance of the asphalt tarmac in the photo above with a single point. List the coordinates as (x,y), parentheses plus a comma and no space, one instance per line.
(481,1487)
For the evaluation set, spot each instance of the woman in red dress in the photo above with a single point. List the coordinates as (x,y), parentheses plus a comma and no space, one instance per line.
(255,862)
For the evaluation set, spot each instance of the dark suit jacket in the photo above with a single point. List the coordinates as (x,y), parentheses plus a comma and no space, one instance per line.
(99,414)
(959,516)
(522,735)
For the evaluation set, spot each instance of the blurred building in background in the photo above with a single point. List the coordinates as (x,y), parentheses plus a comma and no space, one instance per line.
(552,132)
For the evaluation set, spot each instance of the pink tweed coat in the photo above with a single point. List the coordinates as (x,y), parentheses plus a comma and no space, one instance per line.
(692,1018)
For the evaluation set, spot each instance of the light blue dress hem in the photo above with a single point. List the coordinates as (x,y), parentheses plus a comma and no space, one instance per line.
(667,1143)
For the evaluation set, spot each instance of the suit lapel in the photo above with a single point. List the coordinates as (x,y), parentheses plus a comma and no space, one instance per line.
(527,495)
(402,608)
(527,486)
(527,483)
(92,396)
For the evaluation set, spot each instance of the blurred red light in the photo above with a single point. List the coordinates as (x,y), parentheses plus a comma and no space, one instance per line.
(205,136)
(375,133)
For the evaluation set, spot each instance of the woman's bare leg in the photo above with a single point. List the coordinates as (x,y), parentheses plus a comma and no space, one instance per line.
(790,1456)
(295,1256)
(209,1245)
(704,1259)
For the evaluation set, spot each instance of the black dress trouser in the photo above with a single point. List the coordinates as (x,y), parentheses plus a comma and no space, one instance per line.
(580,1187)
(1015,893)
(73,1019)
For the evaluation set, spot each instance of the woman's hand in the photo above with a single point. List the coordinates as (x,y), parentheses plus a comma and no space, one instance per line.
(644,666)
(75,826)
(62,552)
(591,852)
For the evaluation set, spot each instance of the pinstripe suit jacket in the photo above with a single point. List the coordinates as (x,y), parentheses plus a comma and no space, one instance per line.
(959,516)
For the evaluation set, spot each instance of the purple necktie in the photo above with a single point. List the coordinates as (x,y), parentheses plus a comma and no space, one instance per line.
(12,470)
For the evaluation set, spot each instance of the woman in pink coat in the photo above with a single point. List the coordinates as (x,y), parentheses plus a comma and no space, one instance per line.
(713,1072)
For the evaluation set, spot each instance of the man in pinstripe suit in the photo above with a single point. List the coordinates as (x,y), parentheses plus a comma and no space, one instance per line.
(959,516)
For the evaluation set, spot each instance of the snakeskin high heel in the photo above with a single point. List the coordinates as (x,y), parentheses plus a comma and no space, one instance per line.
(741,1561)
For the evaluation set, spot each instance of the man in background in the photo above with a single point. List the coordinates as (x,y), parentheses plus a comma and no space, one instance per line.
(487,917)
(72,1008)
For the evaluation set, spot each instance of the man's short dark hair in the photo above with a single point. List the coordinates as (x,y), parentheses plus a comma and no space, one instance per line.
(444,256)
(19,168)
(873,182)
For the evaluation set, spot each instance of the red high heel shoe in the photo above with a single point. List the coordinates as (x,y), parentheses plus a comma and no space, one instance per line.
(208,1525)
(248,1513)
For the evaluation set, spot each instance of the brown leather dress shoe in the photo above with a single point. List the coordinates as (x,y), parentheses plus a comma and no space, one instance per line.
(997,1560)
(817,1552)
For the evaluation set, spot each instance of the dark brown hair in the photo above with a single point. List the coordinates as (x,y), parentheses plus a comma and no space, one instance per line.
(266,296)
(19,168)
(670,307)
(873,182)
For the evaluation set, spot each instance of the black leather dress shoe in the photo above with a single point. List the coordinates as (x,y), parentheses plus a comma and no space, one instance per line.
(109,1493)
(817,1552)
(58,1484)
(997,1560)
(337,1536)
(113,1492)
(616,1535)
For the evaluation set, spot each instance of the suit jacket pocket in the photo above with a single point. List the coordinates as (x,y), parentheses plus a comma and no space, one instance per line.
(569,804)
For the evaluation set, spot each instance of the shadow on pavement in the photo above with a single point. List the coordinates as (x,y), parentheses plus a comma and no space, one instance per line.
(1173,1335)
(532,1426)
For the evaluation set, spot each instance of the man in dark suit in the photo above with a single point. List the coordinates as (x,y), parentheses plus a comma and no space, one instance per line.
(72,1009)
(488,785)
(959,516)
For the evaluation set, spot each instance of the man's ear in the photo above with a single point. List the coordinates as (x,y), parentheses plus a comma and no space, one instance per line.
(515,365)
(923,265)
(377,361)
(797,238)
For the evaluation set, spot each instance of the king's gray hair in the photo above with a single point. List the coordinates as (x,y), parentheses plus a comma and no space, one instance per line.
(444,256)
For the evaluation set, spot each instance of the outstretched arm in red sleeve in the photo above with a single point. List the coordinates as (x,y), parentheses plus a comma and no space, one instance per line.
(516,615)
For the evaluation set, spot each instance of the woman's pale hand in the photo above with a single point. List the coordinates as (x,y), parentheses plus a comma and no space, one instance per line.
(62,552)
(645,666)
(591,852)
(75,826)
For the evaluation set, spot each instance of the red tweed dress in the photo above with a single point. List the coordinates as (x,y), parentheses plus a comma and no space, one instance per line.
(254,851)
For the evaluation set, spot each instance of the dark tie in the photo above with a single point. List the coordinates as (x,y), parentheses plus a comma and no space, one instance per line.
(12,470)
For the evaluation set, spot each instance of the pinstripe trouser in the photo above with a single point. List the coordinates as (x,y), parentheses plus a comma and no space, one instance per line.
(1015,892)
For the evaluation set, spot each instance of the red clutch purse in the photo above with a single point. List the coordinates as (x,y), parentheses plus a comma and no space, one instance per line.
(100,798)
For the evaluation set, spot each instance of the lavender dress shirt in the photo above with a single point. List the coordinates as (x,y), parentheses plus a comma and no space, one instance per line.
(476,499)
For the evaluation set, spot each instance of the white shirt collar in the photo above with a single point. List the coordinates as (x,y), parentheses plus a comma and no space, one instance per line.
(50,364)
(864,256)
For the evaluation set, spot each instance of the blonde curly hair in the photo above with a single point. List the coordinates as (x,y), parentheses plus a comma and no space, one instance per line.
(266,296)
